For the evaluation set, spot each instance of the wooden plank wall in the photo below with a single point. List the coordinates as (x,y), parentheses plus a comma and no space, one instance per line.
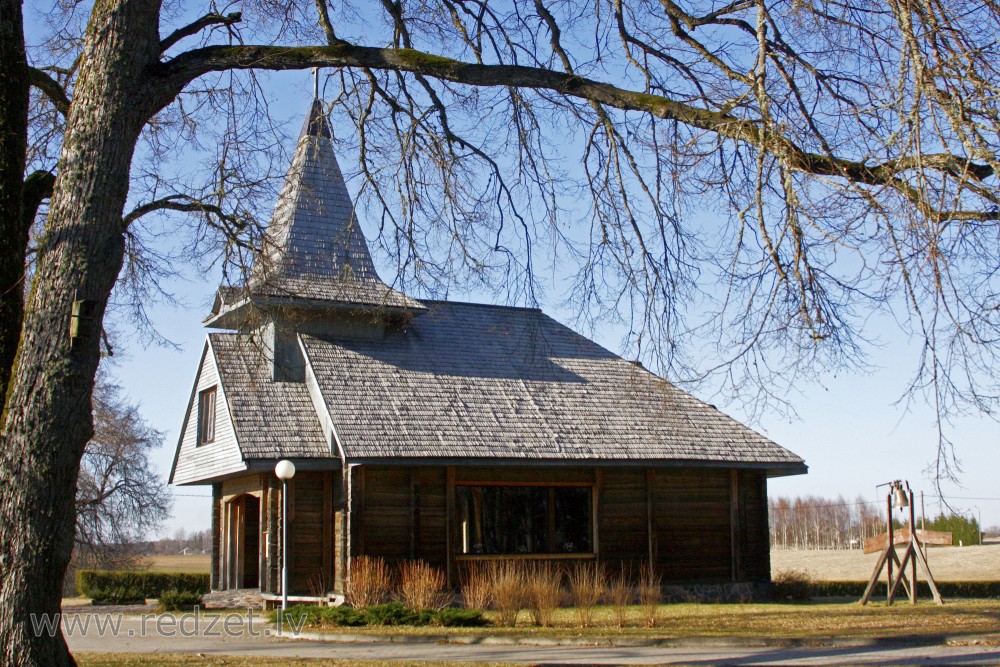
(310,540)
(755,545)
(215,576)
(692,517)
(685,518)
(404,514)
(623,528)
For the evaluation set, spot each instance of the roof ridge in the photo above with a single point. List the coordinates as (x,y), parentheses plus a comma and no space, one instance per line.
(531,309)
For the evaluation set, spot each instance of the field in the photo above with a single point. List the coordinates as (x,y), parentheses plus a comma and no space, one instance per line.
(180,563)
(947,563)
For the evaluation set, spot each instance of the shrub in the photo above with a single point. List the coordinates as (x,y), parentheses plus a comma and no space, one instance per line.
(392,613)
(949,589)
(650,595)
(320,583)
(175,600)
(618,594)
(117,595)
(145,584)
(476,593)
(586,586)
(299,615)
(543,593)
(370,582)
(347,617)
(422,586)
(794,585)
(450,617)
(507,583)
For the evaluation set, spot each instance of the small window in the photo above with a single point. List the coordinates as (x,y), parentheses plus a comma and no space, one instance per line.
(507,520)
(206,416)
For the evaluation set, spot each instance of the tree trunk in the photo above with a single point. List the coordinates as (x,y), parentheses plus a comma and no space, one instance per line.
(47,420)
(13,144)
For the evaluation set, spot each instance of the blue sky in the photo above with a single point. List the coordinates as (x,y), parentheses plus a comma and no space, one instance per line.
(851,431)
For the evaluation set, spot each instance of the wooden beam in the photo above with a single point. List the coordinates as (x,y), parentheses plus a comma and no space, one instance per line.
(930,578)
(876,573)
(450,526)
(328,530)
(650,532)
(901,536)
(358,513)
(596,509)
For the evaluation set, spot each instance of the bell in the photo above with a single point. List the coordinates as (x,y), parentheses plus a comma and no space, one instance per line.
(899,498)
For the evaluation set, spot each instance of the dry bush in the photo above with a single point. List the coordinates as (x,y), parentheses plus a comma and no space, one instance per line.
(320,583)
(650,595)
(422,586)
(476,592)
(370,582)
(586,586)
(793,585)
(618,595)
(543,593)
(507,588)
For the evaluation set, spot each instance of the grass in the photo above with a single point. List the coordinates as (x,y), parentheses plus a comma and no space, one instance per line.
(775,621)
(198,563)
(184,659)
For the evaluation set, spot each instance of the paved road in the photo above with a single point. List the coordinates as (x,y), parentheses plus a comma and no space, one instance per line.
(240,639)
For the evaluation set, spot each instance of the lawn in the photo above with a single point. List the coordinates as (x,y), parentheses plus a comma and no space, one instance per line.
(774,621)
(180,563)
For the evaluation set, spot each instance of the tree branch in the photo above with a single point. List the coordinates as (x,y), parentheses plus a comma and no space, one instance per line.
(37,187)
(182,203)
(197,26)
(51,88)
(179,71)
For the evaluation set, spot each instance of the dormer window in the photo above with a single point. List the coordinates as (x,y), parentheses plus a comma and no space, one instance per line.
(206,416)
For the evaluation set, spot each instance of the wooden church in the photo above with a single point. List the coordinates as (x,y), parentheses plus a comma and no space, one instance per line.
(444,431)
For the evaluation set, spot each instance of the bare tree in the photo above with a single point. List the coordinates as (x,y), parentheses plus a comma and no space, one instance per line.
(847,149)
(119,498)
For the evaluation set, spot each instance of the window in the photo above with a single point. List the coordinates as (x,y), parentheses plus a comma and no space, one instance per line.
(506,520)
(206,416)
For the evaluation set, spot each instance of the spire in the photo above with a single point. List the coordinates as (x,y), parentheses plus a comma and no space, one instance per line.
(314,248)
(316,124)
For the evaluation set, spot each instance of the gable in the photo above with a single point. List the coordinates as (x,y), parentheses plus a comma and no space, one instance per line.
(194,463)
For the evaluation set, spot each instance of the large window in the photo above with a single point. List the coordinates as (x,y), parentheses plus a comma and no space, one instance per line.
(206,416)
(507,520)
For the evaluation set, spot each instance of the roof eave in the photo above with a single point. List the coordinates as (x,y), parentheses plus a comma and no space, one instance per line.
(773,468)
(349,306)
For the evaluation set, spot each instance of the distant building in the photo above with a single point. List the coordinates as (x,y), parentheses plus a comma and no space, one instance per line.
(443,431)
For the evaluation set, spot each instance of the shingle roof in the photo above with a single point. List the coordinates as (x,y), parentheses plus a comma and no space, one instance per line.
(271,419)
(486,382)
(314,248)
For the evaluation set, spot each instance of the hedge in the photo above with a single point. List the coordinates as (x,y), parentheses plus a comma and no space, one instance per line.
(948,589)
(390,613)
(143,584)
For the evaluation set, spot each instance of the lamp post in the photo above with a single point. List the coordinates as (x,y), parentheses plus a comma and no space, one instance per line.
(979,527)
(285,470)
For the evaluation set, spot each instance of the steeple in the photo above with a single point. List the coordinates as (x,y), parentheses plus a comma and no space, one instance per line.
(314,248)
(314,253)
